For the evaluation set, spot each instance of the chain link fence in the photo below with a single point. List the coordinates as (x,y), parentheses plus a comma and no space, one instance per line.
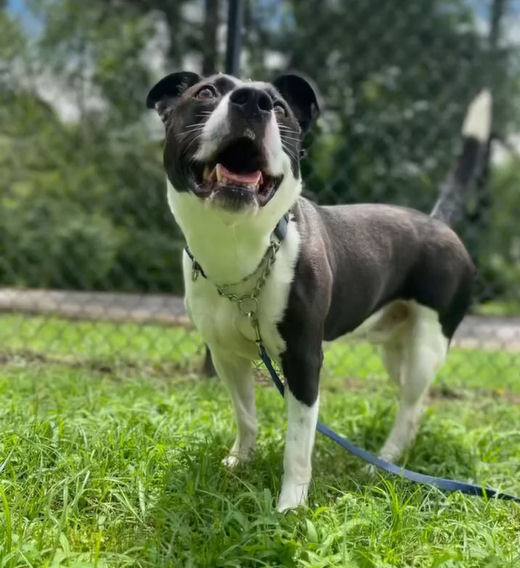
(89,252)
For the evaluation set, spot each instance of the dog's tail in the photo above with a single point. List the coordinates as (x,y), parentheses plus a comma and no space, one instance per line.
(475,131)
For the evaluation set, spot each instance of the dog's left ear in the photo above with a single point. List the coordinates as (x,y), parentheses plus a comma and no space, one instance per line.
(301,96)
(162,95)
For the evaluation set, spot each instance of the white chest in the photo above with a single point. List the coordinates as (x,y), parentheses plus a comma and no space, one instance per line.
(219,320)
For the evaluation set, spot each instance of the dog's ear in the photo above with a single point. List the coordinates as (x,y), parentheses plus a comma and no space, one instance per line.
(301,96)
(162,96)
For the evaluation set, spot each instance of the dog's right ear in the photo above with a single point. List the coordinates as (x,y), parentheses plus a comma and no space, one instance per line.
(162,96)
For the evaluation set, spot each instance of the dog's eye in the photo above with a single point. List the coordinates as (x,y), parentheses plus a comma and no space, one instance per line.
(279,109)
(206,93)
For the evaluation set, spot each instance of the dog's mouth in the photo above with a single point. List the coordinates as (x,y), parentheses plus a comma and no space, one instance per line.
(236,175)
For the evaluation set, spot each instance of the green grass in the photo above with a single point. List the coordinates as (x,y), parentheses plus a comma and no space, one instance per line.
(110,450)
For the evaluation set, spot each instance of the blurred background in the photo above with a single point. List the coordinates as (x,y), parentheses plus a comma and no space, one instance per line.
(85,232)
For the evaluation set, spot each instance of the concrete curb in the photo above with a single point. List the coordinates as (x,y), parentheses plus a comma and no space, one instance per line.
(488,332)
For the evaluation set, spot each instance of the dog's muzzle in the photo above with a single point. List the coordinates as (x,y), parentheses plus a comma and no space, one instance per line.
(238,175)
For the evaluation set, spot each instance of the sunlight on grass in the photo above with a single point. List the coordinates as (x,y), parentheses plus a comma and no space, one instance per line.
(116,466)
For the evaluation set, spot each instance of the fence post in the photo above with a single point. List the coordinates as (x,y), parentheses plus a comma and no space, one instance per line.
(210,27)
(234,36)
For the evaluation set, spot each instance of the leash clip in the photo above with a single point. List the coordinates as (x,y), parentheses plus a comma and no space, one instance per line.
(248,306)
(256,327)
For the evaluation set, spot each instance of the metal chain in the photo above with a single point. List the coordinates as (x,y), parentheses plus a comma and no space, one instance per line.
(248,303)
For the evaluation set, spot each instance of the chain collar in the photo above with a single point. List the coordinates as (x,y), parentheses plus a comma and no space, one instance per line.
(248,302)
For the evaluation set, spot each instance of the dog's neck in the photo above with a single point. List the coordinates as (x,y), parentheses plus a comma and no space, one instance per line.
(227,251)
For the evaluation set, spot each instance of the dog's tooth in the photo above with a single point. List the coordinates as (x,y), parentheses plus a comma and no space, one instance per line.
(219,174)
(206,174)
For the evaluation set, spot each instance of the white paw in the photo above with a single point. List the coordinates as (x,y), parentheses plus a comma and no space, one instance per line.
(231,461)
(292,496)
(370,470)
(390,453)
(236,458)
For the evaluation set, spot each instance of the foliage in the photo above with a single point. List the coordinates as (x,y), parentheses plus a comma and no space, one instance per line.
(500,267)
(82,200)
(388,86)
(82,203)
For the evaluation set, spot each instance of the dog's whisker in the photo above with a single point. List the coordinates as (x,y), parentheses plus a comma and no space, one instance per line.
(190,143)
(286,129)
(289,152)
(193,127)
(286,146)
(287,136)
(289,130)
(191,131)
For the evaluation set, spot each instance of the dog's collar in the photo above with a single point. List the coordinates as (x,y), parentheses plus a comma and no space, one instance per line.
(247,302)
(277,236)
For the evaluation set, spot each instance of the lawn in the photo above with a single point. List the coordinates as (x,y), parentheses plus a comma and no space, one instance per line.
(110,452)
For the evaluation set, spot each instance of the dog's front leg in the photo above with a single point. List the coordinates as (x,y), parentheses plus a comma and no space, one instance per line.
(299,441)
(236,374)
(302,370)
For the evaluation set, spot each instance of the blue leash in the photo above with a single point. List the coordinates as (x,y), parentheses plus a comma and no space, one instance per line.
(448,485)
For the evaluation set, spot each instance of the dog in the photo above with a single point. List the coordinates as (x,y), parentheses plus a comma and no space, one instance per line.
(309,273)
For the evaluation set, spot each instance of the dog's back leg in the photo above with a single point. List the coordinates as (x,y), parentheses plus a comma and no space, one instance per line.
(236,374)
(412,360)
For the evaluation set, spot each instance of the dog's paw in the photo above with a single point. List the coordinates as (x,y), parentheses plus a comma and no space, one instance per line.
(232,461)
(292,495)
(235,459)
(370,471)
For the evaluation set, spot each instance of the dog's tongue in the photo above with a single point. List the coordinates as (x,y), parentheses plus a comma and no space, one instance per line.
(245,178)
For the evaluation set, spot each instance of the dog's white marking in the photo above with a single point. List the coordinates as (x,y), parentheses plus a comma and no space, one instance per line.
(215,128)
(273,147)
(219,320)
(299,441)
(477,122)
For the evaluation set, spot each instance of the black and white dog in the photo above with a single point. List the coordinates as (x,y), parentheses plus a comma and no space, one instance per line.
(392,275)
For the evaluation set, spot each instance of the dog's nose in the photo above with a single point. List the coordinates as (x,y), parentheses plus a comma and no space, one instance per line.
(252,103)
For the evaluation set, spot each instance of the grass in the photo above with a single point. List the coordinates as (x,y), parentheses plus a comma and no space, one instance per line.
(110,449)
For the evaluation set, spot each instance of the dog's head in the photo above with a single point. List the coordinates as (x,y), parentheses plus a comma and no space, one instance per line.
(234,145)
